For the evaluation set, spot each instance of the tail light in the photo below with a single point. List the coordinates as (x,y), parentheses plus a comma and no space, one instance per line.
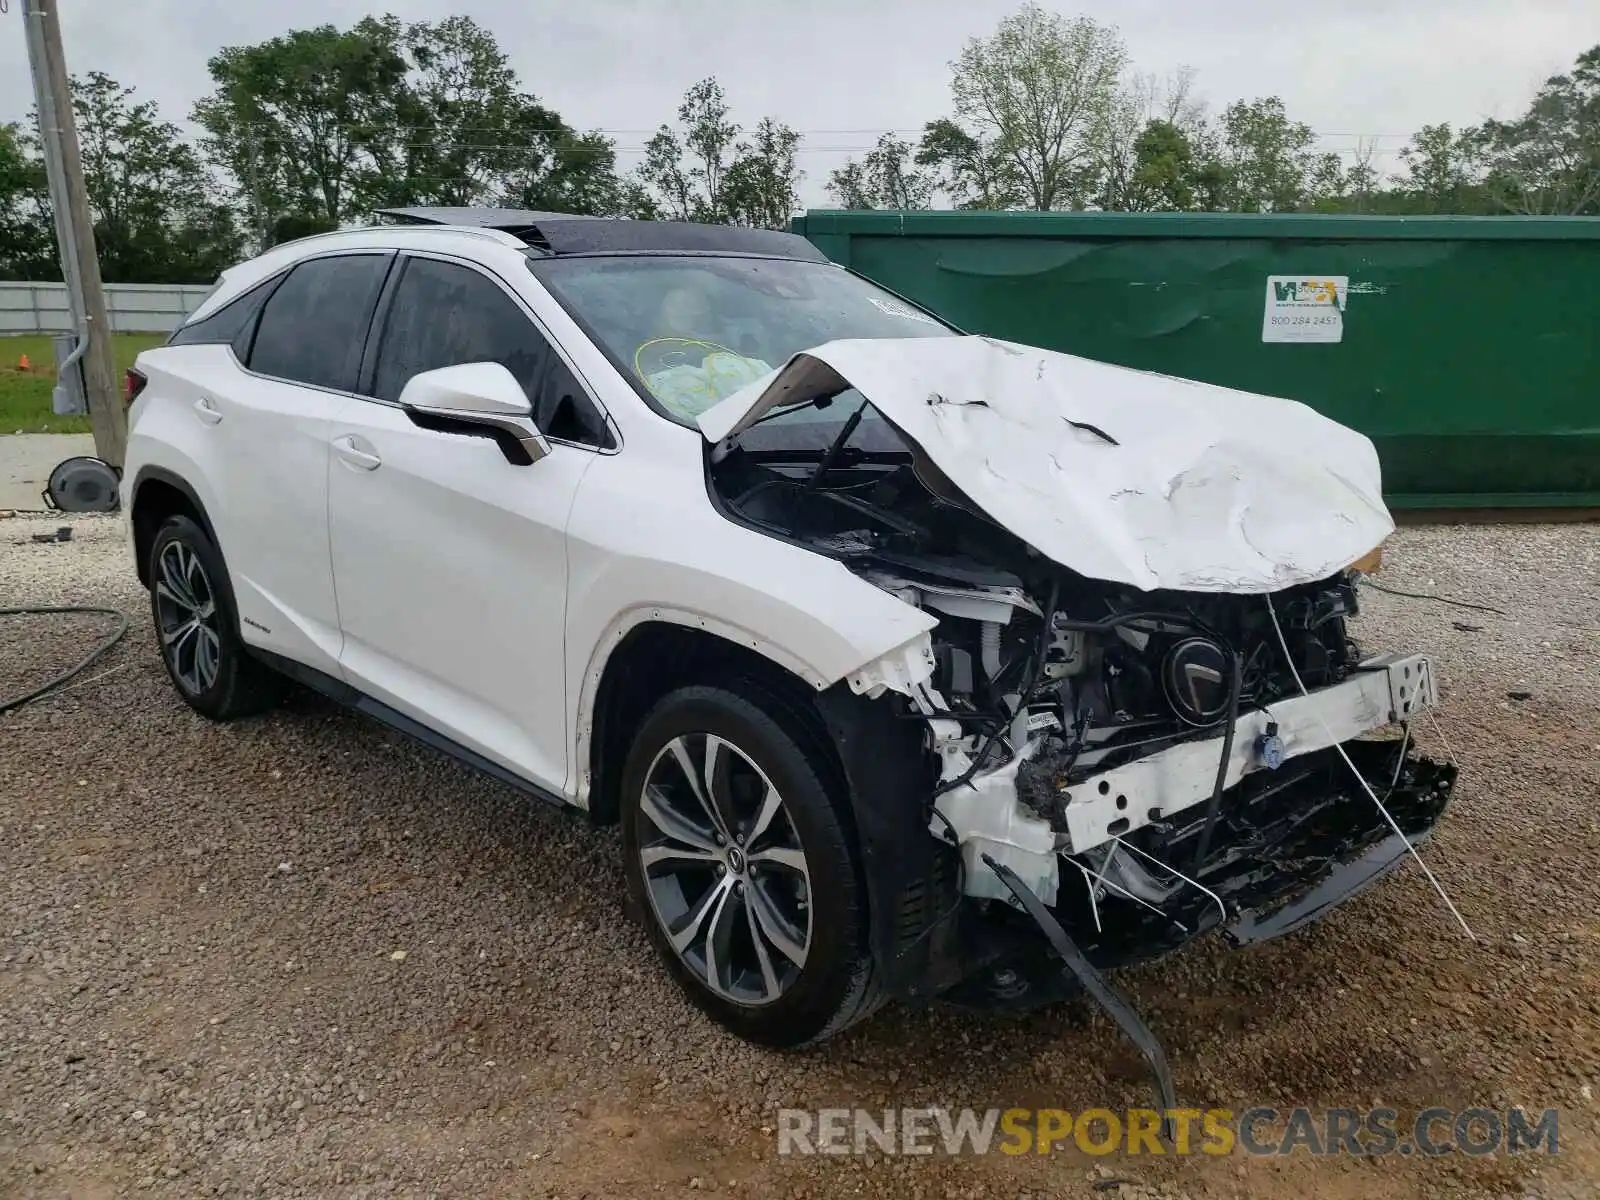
(132,386)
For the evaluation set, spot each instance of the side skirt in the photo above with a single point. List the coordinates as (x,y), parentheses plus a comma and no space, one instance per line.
(353,698)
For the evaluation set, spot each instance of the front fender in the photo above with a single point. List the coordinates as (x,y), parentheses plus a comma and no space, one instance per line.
(674,559)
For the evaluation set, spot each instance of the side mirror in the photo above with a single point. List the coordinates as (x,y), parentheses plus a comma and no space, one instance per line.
(476,397)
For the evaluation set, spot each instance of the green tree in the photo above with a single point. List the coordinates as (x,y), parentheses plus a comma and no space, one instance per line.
(1328,184)
(27,235)
(665,175)
(291,227)
(1268,161)
(1361,184)
(703,171)
(1548,160)
(300,120)
(975,172)
(1164,172)
(851,186)
(1440,172)
(561,170)
(1040,90)
(155,221)
(687,167)
(759,189)
(886,177)
(1147,121)
(319,127)
(460,122)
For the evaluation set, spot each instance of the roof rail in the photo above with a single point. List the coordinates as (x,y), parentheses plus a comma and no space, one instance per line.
(575,233)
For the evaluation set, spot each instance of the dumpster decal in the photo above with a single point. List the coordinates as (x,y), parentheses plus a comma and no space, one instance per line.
(1304,309)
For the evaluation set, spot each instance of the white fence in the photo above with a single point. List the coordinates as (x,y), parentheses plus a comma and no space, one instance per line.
(132,307)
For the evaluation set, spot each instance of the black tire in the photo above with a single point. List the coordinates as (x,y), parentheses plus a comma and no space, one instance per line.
(836,985)
(235,685)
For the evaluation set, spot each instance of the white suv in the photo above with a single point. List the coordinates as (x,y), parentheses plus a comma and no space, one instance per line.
(902,655)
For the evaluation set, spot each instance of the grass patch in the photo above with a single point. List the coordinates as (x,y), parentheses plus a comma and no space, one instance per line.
(25,395)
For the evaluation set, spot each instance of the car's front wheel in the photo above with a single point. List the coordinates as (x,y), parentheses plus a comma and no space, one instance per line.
(746,874)
(192,603)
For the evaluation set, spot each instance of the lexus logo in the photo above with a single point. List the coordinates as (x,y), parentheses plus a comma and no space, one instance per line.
(1195,677)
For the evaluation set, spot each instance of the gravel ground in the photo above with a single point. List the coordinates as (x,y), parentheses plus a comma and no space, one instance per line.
(300,956)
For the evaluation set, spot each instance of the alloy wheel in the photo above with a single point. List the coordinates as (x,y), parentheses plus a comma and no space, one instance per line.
(724,869)
(186,613)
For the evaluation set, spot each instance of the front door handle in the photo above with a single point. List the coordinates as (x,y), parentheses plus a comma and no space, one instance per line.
(206,409)
(357,453)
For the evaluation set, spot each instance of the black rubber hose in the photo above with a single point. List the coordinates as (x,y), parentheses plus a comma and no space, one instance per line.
(1214,805)
(89,659)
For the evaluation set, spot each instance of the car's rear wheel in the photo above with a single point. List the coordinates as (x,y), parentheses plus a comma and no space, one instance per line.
(747,877)
(197,626)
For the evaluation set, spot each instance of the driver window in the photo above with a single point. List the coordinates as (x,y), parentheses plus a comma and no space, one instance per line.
(444,314)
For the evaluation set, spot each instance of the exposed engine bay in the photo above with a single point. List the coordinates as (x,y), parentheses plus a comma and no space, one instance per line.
(1142,713)
(1093,738)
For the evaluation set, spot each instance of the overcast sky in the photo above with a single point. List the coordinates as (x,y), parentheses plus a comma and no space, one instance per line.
(841,71)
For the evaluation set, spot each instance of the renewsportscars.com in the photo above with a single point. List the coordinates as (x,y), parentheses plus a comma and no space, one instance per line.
(1373,1132)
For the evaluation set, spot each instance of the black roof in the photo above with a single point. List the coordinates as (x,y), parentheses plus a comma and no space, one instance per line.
(571,233)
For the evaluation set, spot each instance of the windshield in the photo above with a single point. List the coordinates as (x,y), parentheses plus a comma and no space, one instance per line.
(692,331)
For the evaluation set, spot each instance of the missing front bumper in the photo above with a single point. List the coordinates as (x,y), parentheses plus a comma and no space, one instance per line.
(1162,786)
(1020,814)
(1289,847)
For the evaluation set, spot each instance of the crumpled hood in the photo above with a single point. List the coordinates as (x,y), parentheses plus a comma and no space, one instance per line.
(1121,475)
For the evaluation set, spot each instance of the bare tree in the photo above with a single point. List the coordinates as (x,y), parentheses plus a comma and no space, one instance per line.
(1362,178)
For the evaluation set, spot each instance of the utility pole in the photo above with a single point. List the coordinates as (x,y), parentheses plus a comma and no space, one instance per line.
(69,198)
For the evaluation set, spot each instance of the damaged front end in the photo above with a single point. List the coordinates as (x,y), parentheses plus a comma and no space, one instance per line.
(1141,716)
(1149,775)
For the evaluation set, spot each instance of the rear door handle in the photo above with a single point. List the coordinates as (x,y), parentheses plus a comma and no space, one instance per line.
(206,409)
(357,453)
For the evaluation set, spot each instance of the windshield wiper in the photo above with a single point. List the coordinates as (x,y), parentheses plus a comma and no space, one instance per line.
(821,401)
(850,457)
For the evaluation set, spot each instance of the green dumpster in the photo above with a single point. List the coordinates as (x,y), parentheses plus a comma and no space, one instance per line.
(1467,348)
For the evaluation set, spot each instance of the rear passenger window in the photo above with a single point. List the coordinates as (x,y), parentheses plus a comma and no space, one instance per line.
(313,326)
(228,322)
(443,315)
